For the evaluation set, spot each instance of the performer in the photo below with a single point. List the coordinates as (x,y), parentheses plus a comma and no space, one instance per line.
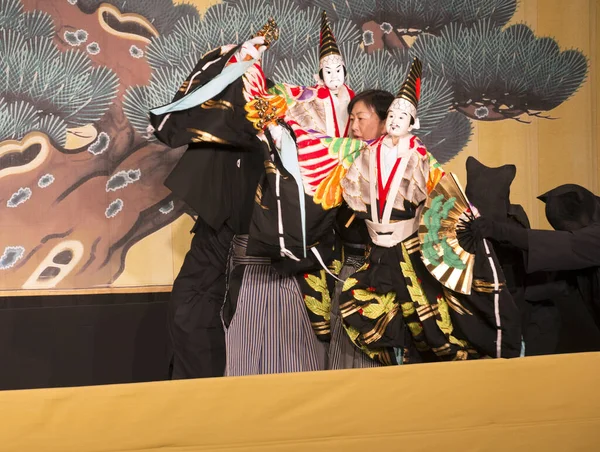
(394,309)
(324,106)
(217,178)
(572,250)
(270,328)
(489,190)
(368,111)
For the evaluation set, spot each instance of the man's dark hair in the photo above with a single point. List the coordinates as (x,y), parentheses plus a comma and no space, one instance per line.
(377,99)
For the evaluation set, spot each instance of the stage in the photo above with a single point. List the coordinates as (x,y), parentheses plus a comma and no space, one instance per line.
(542,403)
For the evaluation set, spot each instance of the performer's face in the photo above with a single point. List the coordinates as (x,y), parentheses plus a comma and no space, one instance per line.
(398,123)
(365,124)
(333,76)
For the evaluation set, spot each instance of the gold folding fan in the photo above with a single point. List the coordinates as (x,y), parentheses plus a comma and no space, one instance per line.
(441,252)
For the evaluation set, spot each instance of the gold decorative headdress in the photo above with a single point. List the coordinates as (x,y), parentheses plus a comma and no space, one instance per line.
(270,31)
(407,98)
(328,48)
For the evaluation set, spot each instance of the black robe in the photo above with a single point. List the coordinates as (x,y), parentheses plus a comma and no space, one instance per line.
(489,190)
(196,336)
(566,262)
(574,285)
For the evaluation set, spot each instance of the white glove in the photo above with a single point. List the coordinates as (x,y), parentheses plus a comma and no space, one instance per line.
(276,133)
(249,48)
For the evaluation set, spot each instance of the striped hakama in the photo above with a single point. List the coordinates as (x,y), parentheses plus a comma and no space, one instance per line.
(270,331)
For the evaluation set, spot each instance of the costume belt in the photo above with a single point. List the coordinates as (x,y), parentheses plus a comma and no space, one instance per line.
(354,249)
(389,235)
(239,256)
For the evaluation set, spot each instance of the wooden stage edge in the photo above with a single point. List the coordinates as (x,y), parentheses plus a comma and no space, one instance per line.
(90,291)
(549,403)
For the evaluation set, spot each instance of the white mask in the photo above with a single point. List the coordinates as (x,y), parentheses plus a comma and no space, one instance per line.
(397,123)
(333,71)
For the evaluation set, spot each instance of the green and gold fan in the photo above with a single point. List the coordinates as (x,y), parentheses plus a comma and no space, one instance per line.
(445,259)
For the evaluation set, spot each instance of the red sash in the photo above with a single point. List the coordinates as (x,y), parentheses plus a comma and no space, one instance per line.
(381,190)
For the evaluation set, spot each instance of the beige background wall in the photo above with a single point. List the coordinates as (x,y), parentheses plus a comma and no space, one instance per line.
(547,153)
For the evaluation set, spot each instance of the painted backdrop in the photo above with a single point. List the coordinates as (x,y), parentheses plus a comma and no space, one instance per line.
(82,205)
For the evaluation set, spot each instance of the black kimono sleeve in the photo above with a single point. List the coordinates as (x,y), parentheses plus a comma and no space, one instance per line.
(561,250)
(220,120)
